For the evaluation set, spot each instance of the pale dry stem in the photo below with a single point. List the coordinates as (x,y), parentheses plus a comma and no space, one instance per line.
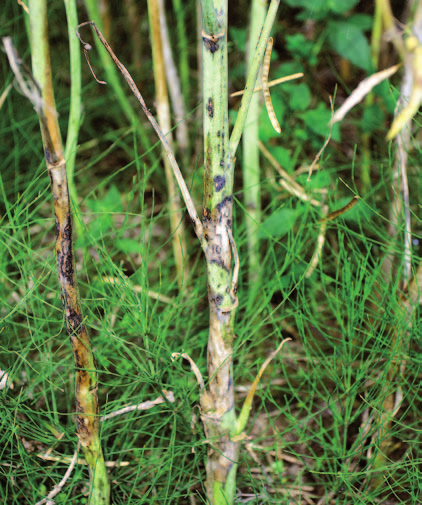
(168,396)
(58,487)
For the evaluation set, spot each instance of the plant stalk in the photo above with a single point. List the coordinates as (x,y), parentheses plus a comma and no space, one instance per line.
(87,409)
(250,163)
(163,113)
(218,413)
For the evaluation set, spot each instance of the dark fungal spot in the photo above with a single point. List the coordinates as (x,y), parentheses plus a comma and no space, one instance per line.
(210,108)
(226,201)
(206,215)
(219,182)
(211,43)
(47,155)
(67,231)
(75,321)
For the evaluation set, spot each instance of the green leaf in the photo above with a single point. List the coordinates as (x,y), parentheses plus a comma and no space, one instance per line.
(300,47)
(110,203)
(238,35)
(317,120)
(389,95)
(283,157)
(349,42)
(128,245)
(340,6)
(320,9)
(300,97)
(280,222)
(289,68)
(362,21)
(372,118)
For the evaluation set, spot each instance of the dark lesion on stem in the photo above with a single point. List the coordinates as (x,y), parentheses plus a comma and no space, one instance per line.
(211,42)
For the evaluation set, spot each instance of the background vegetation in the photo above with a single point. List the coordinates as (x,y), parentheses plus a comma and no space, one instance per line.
(317,434)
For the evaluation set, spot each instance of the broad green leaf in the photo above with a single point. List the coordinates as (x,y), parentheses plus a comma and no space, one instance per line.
(300,97)
(320,9)
(238,35)
(128,245)
(301,47)
(282,155)
(340,6)
(280,222)
(372,118)
(362,21)
(317,120)
(349,42)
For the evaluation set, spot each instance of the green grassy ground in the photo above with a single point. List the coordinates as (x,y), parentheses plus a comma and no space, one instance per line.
(313,433)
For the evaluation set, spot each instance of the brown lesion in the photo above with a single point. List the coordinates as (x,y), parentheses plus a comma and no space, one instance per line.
(210,42)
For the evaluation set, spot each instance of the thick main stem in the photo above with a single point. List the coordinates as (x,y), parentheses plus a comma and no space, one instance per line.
(87,419)
(218,405)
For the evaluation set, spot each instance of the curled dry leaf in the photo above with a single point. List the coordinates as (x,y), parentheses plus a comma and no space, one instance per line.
(362,90)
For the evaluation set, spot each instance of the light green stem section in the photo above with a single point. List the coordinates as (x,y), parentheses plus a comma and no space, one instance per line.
(75,96)
(75,107)
(218,413)
(218,406)
(251,165)
(253,74)
(182,50)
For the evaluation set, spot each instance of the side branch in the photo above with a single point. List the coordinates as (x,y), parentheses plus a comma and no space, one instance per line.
(252,77)
(131,83)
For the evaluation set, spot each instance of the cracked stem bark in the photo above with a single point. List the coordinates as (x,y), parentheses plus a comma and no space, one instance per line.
(218,412)
(87,419)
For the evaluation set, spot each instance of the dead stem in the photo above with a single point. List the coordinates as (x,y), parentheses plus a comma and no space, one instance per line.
(58,487)
(168,396)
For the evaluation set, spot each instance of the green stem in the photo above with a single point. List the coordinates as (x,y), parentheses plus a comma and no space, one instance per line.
(250,163)
(75,103)
(210,22)
(218,414)
(218,404)
(182,46)
(253,74)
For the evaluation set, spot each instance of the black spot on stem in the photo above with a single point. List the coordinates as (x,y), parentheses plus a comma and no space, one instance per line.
(219,182)
(211,43)
(210,108)
(47,155)
(226,201)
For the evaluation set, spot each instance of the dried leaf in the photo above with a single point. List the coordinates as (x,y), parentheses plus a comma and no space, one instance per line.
(362,90)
